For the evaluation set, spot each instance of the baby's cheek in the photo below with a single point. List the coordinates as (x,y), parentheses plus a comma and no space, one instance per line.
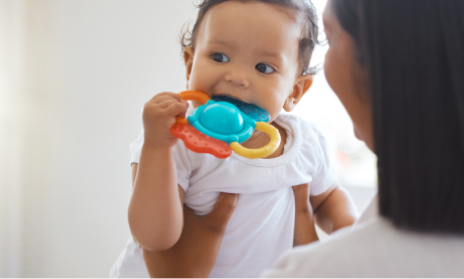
(274,107)
(199,77)
(197,82)
(274,112)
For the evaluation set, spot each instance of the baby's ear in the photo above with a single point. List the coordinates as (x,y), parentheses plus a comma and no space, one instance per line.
(301,85)
(188,60)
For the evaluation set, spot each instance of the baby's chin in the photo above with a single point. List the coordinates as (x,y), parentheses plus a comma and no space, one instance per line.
(255,135)
(196,104)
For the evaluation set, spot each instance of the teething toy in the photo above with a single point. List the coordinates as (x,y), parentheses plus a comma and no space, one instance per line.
(221,124)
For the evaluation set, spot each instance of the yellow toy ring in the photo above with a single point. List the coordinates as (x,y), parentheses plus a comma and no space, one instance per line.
(262,152)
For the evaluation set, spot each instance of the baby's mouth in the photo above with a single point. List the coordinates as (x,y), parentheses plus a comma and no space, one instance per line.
(253,111)
(227,97)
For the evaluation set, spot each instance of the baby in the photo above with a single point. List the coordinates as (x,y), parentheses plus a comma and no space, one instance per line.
(257,52)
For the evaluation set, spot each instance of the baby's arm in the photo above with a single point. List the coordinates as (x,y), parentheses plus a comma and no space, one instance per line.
(334,209)
(155,209)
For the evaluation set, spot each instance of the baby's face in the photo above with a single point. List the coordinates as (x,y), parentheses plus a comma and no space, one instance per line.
(248,51)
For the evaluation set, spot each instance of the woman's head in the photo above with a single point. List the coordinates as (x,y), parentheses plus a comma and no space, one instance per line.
(347,77)
(254,51)
(411,54)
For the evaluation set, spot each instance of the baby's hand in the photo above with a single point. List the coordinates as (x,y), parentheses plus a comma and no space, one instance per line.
(159,115)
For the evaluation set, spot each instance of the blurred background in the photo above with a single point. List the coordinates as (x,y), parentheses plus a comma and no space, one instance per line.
(74,75)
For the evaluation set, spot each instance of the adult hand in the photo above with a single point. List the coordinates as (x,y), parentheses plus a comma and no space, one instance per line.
(304,231)
(196,251)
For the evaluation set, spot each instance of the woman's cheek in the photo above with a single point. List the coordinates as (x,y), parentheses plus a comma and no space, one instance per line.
(329,69)
(338,74)
(356,133)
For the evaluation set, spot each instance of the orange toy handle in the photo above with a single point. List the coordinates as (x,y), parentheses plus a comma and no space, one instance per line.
(191,95)
(194,96)
(194,139)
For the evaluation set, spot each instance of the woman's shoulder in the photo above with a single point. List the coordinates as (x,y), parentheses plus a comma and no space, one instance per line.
(375,248)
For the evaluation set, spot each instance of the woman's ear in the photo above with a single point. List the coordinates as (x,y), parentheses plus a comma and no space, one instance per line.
(188,61)
(301,85)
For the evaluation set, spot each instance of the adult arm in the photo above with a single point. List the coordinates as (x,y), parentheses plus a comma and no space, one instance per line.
(304,231)
(334,209)
(196,251)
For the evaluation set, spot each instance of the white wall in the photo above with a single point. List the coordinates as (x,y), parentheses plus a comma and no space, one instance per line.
(11,35)
(74,75)
(88,67)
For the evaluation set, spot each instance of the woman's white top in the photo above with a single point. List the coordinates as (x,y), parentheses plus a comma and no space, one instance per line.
(261,227)
(375,248)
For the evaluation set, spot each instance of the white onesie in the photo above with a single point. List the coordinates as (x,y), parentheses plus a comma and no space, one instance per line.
(261,227)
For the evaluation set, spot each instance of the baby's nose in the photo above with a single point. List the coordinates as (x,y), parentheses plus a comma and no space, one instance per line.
(237,77)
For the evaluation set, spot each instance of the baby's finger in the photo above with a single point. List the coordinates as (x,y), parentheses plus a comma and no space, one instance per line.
(176,109)
(166,104)
(167,94)
(175,96)
(162,97)
(182,114)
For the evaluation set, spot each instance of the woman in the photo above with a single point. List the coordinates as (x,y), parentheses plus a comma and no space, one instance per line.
(397,66)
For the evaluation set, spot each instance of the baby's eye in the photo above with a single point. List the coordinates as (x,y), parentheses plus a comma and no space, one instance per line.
(264,68)
(220,57)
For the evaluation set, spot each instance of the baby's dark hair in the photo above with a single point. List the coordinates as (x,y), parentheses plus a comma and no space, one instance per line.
(303,7)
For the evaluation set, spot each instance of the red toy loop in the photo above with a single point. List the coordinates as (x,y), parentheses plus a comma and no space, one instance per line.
(199,142)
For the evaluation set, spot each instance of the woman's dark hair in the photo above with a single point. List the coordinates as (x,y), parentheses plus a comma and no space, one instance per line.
(413,51)
(303,7)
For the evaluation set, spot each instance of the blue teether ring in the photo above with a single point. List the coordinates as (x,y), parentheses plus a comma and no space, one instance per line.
(218,127)
(253,111)
(222,121)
